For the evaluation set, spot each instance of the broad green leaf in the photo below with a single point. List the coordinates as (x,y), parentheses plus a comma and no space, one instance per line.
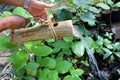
(48,62)
(63,67)
(5,43)
(19,59)
(43,74)
(70,1)
(41,50)
(90,42)
(82,3)
(106,55)
(103,6)
(77,72)
(69,77)
(110,2)
(107,43)
(117,5)
(68,39)
(53,75)
(94,10)
(116,46)
(29,78)
(67,51)
(6,13)
(117,54)
(60,45)
(59,57)
(78,48)
(107,50)
(31,68)
(88,17)
(63,14)
(21,12)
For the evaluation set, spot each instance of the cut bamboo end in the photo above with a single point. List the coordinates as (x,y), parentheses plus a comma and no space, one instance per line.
(62,29)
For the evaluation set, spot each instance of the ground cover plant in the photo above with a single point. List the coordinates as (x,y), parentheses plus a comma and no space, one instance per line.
(66,58)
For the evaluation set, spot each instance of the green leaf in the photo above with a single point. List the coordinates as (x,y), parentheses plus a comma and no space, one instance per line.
(106,55)
(41,50)
(67,51)
(19,59)
(110,2)
(117,54)
(53,75)
(117,5)
(29,78)
(107,43)
(77,72)
(31,68)
(6,13)
(48,62)
(78,48)
(43,74)
(59,57)
(68,39)
(94,10)
(21,12)
(70,1)
(116,46)
(63,14)
(69,77)
(107,50)
(82,3)
(5,43)
(63,67)
(103,6)
(88,17)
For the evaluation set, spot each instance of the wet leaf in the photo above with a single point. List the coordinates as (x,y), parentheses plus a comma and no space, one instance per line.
(103,6)
(69,77)
(41,50)
(68,39)
(31,68)
(88,17)
(48,62)
(5,43)
(19,59)
(94,10)
(53,75)
(78,48)
(82,3)
(43,74)
(117,5)
(63,67)
(117,54)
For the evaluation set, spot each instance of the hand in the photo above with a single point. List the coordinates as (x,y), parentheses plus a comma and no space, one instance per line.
(16,22)
(37,9)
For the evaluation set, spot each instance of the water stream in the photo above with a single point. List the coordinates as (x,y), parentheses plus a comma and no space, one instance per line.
(92,60)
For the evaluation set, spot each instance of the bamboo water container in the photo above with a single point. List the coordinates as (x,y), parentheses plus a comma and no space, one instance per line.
(62,29)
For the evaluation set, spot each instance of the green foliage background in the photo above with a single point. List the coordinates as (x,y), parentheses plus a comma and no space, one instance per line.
(54,58)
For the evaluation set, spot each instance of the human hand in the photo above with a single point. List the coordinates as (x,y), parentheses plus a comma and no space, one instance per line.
(16,22)
(37,9)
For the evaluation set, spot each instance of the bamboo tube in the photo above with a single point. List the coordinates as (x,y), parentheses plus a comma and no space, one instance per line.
(62,29)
